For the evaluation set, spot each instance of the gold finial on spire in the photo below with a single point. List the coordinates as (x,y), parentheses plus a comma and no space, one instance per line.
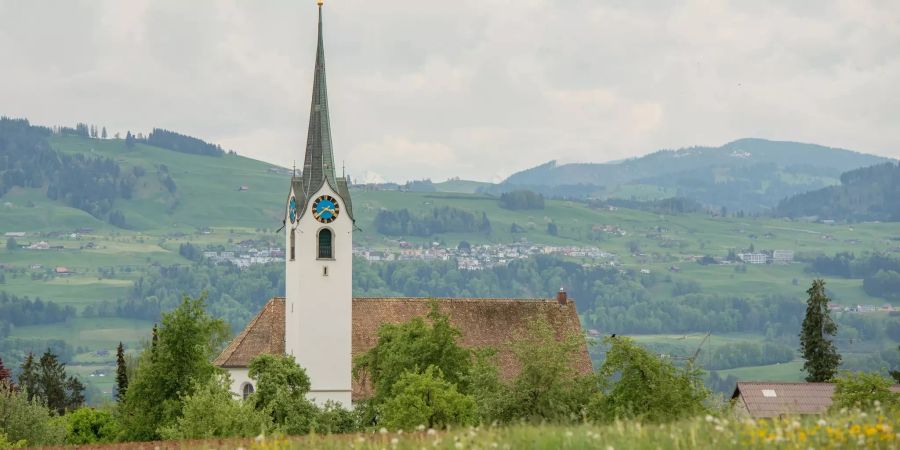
(320,2)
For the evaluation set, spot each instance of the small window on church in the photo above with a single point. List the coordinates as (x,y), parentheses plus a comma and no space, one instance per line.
(293,238)
(325,244)
(246,390)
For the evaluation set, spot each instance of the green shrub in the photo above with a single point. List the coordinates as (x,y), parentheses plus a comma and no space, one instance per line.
(212,412)
(90,426)
(862,390)
(645,386)
(333,418)
(281,388)
(426,399)
(29,421)
(412,347)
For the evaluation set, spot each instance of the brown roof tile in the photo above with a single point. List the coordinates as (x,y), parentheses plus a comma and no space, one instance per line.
(767,399)
(483,323)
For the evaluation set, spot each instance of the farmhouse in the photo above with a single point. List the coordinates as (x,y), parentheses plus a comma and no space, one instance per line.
(320,323)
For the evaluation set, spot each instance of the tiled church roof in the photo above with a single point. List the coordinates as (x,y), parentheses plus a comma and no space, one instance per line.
(483,323)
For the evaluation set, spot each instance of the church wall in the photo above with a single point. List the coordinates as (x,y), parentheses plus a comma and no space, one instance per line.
(318,307)
(239,376)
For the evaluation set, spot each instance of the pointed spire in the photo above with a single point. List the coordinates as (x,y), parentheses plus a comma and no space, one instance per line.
(318,164)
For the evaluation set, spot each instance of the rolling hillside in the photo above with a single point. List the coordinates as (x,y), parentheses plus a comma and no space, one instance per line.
(870,193)
(747,174)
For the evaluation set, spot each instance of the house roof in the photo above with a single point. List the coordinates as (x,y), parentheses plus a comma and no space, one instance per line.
(483,323)
(767,399)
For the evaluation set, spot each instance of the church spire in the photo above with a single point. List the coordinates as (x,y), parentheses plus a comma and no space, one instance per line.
(318,164)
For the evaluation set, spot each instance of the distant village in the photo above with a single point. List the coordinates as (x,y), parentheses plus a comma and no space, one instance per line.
(467,256)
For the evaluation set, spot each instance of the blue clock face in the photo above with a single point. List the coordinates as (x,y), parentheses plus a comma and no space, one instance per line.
(325,209)
(292,210)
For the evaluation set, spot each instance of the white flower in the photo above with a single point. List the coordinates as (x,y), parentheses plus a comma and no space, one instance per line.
(360,439)
(876,403)
(395,441)
(458,445)
(431,432)
(822,422)
(420,428)
(383,430)
(710,418)
(720,428)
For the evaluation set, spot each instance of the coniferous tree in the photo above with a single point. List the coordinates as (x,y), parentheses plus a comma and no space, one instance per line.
(52,381)
(6,376)
(28,377)
(103,133)
(822,358)
(121,373)
(75,394)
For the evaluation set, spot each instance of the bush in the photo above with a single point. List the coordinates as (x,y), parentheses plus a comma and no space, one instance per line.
(333,418)
(212,412)
(426,399)
(90,426)
(412,347)
(29,421)
(647,387)
(862,390)
(281,388)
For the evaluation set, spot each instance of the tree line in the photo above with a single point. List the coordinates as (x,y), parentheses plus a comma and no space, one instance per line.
(445,219)
(880,272)
(22,311)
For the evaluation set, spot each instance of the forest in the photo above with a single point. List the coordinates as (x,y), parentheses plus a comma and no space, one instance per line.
(880,272)
(91,184)
(180,143)
(439,220)
(866,194)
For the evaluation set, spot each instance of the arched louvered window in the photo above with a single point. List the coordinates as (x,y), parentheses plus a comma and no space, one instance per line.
(326,244)
(246,390)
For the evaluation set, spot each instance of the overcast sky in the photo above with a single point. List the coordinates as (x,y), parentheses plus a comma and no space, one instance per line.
(470,88)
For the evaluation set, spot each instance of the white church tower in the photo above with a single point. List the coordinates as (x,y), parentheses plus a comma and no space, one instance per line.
(319,259)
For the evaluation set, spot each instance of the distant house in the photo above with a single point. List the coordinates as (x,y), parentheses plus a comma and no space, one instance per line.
(753,258)
(770,399)
(244,188)
(42,245)
(63,271)
(783,256)
(14,234)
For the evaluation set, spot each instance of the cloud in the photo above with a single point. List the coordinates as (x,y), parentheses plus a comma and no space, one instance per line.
(477,89)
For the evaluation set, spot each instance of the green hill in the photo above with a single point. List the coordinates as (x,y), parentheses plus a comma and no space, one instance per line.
(871,193)
(747,174)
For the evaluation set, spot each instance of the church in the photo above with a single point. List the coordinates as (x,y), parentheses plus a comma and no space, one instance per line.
(319,322)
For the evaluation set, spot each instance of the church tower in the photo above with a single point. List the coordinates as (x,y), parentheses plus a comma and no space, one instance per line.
(318,258)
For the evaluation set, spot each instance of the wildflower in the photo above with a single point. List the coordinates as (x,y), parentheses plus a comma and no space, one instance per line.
(458,445)
(710,418)
(360,439)
(822,422)
(395,441)
(420,428)
(720,428)
(431,432)
(383,430)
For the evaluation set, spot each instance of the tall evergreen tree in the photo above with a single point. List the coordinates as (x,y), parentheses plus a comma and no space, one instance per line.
(52,381)
(822,358)
(74,394)
(28,377)
(103,133)
(121,373)
(6,376)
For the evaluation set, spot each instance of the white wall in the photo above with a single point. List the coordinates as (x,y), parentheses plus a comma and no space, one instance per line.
(319,308)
